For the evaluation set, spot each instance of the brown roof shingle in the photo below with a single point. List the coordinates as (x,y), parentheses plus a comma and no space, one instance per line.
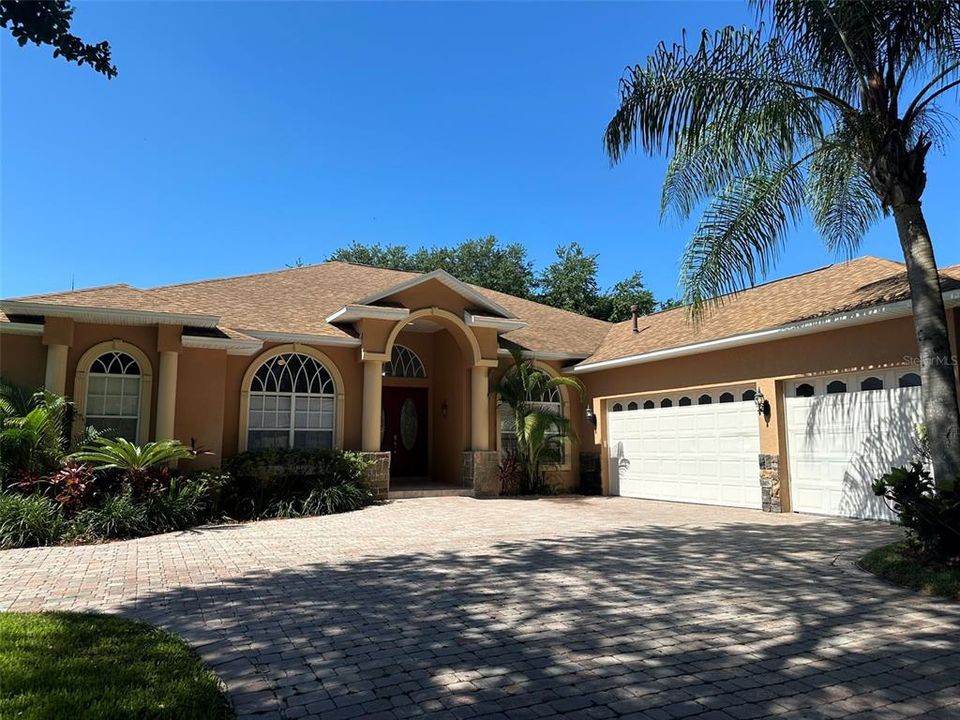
(842,287)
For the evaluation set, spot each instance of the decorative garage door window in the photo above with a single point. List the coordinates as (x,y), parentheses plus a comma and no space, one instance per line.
(113,395)
(857,382)
(702,397)
(552,401)
(292,404)
(405,363)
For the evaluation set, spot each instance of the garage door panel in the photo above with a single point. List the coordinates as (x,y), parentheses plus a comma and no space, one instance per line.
(698,453)
(838,444)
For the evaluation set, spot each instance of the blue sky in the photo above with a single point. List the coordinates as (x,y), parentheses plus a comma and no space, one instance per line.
(241,136)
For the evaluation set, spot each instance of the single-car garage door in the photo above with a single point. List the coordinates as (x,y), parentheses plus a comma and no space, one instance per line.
(700,447)
(845,430)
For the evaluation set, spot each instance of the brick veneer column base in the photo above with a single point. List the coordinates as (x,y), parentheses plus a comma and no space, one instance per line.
(377,475)
(770,483)
(481,471)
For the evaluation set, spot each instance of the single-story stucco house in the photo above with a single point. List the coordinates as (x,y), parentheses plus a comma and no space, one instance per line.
(792,395)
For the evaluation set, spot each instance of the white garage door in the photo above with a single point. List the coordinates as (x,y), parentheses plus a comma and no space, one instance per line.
(844,431)
(701,448)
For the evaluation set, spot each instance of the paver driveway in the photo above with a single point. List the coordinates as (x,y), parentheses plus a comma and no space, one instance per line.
(593,608)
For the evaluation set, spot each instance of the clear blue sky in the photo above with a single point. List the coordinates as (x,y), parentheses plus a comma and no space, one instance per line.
(240,136)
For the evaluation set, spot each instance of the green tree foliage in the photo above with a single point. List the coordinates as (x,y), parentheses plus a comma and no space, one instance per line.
(827,109)
(48,23)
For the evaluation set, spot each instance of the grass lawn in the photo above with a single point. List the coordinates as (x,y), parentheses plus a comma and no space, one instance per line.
(895,563)
(68,665)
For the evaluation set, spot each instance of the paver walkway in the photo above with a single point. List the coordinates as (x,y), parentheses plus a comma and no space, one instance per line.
(592,608)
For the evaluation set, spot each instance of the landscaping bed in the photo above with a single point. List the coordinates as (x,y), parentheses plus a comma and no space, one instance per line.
(902,565)
(94,667)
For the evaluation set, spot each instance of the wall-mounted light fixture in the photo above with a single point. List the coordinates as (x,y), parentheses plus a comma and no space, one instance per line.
(591,416)
(763,407)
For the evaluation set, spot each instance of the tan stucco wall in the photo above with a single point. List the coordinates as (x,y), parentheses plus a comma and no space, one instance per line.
(201,386)
(23,359)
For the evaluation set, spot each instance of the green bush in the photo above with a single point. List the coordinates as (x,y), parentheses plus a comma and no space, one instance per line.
(186,502)
(289,483)
(118,517)
(29,521)
(931,515)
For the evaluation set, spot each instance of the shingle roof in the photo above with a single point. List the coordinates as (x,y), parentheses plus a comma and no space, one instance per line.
(298,300)
(838,288)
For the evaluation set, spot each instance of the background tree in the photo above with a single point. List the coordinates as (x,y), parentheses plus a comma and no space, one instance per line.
(615,304)
(570,281)
(48,23)
(829,107)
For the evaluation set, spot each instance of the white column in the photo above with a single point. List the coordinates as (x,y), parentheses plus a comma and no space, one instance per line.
(479,409)
(167,394)
(56,374)
(372,395)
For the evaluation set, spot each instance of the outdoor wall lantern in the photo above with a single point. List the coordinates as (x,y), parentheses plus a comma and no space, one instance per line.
(763,407)
(591,417)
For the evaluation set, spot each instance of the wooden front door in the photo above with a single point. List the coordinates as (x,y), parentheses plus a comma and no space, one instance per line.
(405,431)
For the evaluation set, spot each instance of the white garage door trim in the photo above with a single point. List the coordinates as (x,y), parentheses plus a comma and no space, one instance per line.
(852,429)
(703,451)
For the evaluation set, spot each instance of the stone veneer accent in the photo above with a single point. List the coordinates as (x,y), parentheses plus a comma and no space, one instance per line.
(481,471)
(378,474)
(770,483)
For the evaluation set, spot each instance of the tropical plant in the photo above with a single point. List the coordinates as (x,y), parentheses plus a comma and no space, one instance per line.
(72,485)
(29,521)
(830,106)
(184,503)
(34,434)
(119,516)
(134,462)
(540,431)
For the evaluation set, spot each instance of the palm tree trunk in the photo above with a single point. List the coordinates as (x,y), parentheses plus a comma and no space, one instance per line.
(940,408)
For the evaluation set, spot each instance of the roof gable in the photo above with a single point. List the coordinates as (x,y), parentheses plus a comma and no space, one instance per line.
(478,299)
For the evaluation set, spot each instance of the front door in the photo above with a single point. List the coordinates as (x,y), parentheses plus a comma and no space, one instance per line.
(405,430)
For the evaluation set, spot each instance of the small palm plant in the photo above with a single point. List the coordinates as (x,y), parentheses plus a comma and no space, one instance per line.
(540,431)
(133,462)
(33,429)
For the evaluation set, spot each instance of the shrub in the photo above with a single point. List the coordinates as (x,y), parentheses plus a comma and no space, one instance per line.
(931,515)
(186,502)
(278,482)
(511,474)
(72,486)
(139,466)
(29,520)
(33,433)
(328,500)
(118,517)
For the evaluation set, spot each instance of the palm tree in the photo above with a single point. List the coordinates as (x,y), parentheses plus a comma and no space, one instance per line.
(134,461)
(830,106)
(33,429)
(540,431)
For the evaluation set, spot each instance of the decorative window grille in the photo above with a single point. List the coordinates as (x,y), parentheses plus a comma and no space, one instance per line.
(113,395)
(292,404)
(405,363)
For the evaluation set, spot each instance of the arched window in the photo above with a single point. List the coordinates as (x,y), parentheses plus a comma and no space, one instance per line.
(871,383)
(909,380)
(114,389)
(666,402)
(748,395)
(836,386)
(804,390)
(685,401)
(551,401)
(617,407)
(405,363)
(726,397)
(631,405)
(292,404)
(648,405)
(704,399)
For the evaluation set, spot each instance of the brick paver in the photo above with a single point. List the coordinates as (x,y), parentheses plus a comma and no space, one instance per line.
(570,607)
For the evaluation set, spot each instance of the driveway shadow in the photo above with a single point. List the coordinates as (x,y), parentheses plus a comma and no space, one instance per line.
(749,619)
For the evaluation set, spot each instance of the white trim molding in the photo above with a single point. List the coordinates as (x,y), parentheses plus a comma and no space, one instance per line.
(102,315)
(498,324)
(877,313)
(546,356)
(352,313)
(233,346)
(447,279)
(21,328)
(305,338)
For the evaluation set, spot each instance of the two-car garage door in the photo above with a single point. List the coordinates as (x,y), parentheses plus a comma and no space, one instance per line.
(701,448)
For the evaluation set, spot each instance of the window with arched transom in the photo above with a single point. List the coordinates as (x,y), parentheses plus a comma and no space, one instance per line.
(404,363)
(292,404)
(114,389)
